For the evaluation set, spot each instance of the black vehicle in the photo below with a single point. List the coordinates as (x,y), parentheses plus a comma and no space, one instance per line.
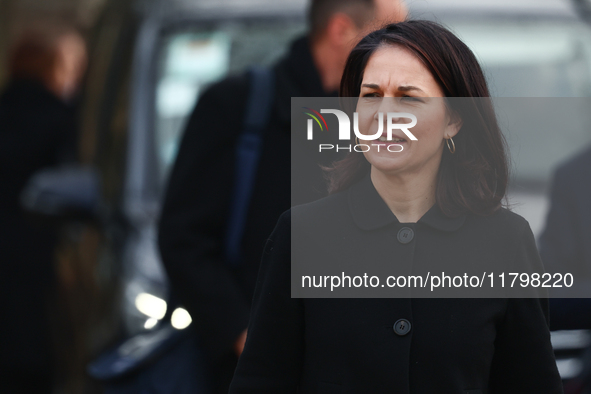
(166,55)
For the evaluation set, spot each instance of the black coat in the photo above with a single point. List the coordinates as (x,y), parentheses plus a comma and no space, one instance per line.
(195,212)
(348,345)
(37,130)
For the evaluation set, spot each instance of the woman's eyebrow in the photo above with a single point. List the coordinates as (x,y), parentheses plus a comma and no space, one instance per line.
(404,88)
(370,85)
(409,88)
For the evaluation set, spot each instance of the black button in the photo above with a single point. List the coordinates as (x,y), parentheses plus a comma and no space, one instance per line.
(402,327)
(405,235)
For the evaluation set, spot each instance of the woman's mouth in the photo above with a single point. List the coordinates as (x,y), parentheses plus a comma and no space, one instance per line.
(383,140)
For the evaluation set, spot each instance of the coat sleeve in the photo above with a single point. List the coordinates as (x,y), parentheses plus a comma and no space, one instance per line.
(524,359)
(193,220)
(273,354)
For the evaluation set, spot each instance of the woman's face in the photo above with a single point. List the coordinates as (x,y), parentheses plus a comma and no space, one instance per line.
(395,80)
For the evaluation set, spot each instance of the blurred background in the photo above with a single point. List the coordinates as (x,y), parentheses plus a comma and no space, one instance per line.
(148,61)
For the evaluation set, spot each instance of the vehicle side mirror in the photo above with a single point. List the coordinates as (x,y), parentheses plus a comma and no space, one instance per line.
(63,193)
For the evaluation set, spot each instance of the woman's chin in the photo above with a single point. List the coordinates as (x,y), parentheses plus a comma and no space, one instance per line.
(388,163)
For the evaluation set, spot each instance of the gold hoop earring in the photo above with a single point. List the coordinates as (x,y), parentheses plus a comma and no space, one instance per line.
(452,148)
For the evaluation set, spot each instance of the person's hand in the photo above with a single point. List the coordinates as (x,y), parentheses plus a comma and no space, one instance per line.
(239,344)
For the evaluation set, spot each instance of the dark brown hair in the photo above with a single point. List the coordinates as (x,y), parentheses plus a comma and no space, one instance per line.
(474,178)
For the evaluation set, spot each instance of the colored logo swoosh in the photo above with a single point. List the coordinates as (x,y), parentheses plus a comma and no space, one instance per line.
(316,118)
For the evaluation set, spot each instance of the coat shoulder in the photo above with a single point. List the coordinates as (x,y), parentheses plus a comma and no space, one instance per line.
(230,91)
(321,210)
(502,220)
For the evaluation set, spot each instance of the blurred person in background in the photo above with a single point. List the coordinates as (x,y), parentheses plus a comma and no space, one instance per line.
(37,130)
(564,244)
(197,202)
(565,248)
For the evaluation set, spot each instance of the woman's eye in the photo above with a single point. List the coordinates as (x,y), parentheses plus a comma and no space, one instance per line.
(409,98)
(370,95)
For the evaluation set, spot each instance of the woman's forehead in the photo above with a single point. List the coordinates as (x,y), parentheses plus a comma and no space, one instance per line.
(392,67)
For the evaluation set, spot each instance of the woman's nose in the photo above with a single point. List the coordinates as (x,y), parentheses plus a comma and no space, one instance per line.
(389,104)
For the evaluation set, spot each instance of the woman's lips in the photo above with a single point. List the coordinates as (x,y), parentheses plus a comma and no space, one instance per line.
(387,143)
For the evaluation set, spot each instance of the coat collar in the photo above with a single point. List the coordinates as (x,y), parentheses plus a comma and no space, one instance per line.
(300,66)
(370,212)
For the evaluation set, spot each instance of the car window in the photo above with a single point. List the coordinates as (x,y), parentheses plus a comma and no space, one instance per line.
(193,57)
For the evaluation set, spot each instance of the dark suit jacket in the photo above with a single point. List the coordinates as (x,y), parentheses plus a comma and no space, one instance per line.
(348,345)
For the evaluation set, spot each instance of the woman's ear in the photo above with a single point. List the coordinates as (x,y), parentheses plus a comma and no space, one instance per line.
(454,125)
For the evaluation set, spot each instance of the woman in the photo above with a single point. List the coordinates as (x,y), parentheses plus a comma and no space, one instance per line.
(436,202)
